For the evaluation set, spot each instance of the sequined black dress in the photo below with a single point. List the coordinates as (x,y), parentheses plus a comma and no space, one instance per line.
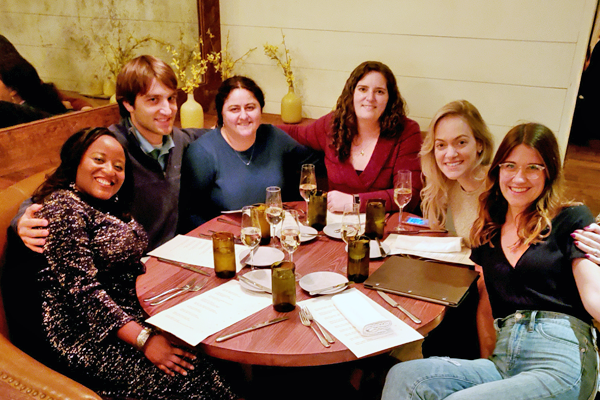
(87,287)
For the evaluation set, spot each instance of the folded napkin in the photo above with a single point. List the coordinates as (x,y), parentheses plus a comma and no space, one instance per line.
(429,243)
(357,310)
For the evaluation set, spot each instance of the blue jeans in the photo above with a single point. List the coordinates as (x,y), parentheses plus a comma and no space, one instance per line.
(538,355)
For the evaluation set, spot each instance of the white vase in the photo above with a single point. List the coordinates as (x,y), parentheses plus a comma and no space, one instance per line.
(191,113)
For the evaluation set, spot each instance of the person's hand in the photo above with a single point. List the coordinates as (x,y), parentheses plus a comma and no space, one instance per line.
(588,241)
(166,357)
(29,230)
(337,200)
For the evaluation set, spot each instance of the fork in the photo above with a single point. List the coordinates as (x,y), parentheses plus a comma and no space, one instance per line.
(306,322)
(190,289)
(326,334)
(184,287)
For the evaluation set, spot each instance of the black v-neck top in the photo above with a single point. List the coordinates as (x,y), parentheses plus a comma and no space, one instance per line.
(542,278)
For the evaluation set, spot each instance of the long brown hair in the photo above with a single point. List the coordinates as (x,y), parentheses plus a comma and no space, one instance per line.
(344,123)
(536,220)
(434,194)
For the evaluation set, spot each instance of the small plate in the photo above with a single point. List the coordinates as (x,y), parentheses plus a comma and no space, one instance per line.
(374,251)
(260,276)
(322,279)
(333,231)
(264,256)
(307,233)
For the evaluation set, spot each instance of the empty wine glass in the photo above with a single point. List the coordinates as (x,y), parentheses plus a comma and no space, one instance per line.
(308,182)
(350,223)
(250,234)
(290,234)
(274,211)
(402,193)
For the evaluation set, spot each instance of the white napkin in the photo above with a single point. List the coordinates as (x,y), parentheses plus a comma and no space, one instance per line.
(357,310)
(429,243)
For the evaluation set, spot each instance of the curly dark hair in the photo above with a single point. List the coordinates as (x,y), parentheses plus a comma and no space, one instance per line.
(71,154)
(344,122)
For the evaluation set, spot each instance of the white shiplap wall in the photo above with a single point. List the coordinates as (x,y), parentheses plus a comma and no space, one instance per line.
(516,60)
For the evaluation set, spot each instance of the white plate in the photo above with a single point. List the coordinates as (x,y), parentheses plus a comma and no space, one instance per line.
(330,230)
(260,276)
(322,279)
(264,256)
(307,233)
(374,251)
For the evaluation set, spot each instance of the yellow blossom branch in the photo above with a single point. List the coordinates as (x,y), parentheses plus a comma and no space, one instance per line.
(272,52)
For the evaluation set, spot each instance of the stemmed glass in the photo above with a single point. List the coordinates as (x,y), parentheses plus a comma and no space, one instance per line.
(290,232)
(250,234)
(308,182)
(274,211)
(402,193)
(350,222)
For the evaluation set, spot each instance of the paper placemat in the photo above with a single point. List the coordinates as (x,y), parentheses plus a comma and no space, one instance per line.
(193,250)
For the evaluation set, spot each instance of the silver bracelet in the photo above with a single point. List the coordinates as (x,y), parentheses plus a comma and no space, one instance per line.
(142,338)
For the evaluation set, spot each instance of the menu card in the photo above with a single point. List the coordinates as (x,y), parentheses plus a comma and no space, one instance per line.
(461,257)
(326,313)
(193,250)
(199,317)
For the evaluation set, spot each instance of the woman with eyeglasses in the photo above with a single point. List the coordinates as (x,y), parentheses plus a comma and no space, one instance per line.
(542,289)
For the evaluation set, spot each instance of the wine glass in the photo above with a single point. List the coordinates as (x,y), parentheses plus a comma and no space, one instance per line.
(274,211)
(402,193)
(250,234)
(350,222)
(290,232)
(308,182)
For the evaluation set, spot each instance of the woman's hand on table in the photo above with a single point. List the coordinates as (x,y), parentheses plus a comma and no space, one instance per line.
(166,357)
(337,200)
(588,241)
(29,229)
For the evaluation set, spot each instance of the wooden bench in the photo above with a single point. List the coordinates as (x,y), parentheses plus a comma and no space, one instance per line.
(33,147)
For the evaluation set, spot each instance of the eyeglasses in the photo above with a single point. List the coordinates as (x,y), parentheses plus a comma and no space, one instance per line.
(531,171)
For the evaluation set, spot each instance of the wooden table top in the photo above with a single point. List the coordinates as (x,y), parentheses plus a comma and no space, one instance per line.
(288,343)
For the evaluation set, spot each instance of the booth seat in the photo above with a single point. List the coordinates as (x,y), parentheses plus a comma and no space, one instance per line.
(22,377)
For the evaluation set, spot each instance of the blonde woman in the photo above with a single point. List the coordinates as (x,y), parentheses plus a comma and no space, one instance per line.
(456,152)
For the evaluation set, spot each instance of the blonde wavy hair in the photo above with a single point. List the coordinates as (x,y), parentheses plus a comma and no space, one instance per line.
(434,195)
(535,222)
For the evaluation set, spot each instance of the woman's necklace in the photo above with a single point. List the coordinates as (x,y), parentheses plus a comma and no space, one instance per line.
(242,160)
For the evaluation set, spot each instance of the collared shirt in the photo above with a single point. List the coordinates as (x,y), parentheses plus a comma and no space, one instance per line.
(159,153)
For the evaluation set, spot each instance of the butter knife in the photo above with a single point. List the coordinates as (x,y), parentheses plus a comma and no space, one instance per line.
(392,303)
(183,265)
(254,284)
(338,286)
(252,328)
(381,249)
(227,221)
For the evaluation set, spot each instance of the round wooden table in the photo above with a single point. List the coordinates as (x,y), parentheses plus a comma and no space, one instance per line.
(288,343)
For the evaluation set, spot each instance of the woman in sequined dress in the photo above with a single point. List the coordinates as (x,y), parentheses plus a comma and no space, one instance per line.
(90,326)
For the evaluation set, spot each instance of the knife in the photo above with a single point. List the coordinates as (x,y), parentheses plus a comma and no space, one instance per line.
(227,221)
(422,231)
(339,285)
(252,328)
(255,284)
(183,265)
(392,303)
(381,249)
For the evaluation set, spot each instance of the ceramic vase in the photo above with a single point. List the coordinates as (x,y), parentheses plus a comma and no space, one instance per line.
(291,108)
(191,113)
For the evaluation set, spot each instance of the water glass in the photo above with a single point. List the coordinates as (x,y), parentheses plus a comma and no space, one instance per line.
(317,210)
(375,221)
(250,232)
(224,254)
(358,259)
(283,286)
(350,222)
